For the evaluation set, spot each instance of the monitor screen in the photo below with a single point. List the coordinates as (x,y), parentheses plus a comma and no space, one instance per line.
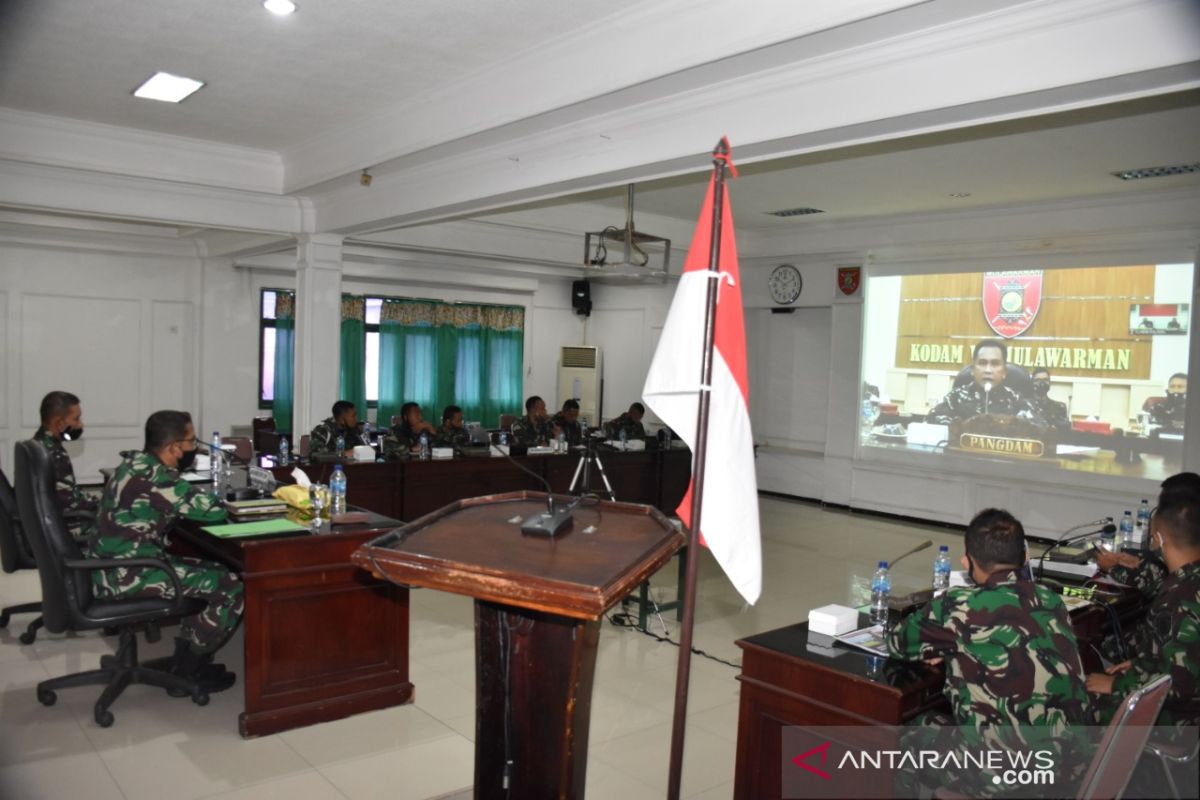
(1080,369)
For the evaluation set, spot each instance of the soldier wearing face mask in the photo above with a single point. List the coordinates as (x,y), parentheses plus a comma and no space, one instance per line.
(1170,412)
(1053,412)
(62,421)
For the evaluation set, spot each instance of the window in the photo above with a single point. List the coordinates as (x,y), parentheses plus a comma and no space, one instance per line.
(266,348)
(374,306)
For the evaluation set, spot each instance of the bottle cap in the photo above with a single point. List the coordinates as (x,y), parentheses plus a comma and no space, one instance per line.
(883,565)
(943,548)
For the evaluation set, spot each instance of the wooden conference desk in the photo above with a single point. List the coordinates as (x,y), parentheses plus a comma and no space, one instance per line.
(411,489)
(324,639)
(784,683)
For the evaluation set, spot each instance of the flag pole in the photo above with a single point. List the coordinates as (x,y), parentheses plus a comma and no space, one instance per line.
(683,670)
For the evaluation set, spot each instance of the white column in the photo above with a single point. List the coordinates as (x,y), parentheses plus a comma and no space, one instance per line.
(318,329)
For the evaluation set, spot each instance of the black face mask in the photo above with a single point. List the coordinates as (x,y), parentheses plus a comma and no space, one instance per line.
(1176,398)
(186,460)
(72,434)
(1041,388)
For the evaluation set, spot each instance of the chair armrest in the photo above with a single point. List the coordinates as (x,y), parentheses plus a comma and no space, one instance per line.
(93,564)
(79,513)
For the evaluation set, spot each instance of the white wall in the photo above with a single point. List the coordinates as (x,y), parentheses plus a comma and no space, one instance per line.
(111,318)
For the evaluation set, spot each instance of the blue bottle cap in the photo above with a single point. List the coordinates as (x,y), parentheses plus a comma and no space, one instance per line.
(943,548)
(883,565)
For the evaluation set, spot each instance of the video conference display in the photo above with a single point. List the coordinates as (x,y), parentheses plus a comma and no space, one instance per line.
(1083,369)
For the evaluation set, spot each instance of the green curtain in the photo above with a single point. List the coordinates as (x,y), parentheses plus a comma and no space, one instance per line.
(438,354)
(352,384)
(285,347)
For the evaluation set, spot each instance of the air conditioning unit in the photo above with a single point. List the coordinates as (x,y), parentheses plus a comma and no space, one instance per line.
(579,377)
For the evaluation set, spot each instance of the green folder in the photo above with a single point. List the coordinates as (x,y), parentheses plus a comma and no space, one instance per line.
(262,527)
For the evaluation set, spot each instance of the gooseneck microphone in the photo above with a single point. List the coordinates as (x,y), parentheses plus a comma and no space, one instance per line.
(551,521)
(987,395)
(916,549)
(1064,539)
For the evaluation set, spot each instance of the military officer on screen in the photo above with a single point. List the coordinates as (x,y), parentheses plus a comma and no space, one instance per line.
(986,393)
(1052,412)
(1013,672)
(344,423)
(1170,412)
(567,421)
(536,427)
(62,421)
(141,501)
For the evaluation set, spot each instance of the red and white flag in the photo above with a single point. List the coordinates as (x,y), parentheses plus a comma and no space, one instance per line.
(729,506)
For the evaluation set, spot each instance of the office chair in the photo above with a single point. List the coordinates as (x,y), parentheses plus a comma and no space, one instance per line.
(69,604)
(15,555)
(1171,754)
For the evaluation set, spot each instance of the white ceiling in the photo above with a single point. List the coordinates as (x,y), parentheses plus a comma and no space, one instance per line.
(1031,160)
(272,81)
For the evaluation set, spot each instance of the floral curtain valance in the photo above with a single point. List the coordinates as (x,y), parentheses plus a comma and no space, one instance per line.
(432,313)
(285,304)
(354,307)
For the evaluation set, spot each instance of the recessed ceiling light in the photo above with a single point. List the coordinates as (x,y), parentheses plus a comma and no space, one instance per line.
(168,88)
(960,195)
(280,8)
(1156,172)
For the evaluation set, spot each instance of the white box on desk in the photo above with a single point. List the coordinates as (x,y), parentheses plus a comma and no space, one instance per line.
(832,620)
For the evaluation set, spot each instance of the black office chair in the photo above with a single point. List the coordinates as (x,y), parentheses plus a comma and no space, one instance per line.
(15,555)
(68,602)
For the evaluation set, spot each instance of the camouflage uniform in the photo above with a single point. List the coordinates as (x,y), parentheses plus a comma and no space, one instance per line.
(451,437)
(141,501)
(633,430)
(323,439)
(970,400)
(1170,412)
(1013,674)
(1147,577)
(1052,412)
(71,499)
(532,432)
(572,430)
(399,442)
(1167,642)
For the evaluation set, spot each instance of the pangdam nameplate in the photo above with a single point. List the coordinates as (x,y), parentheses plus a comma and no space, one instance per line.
(1002,445)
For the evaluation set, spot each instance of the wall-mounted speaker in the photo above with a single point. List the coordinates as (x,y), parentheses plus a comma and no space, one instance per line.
(581,298)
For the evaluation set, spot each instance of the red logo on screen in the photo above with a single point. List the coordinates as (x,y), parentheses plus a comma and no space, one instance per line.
(1011,300)
(823,751)
(848,279)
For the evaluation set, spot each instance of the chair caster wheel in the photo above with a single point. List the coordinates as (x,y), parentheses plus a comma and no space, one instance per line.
(47,697)
(200,697)
(27,637)
(104,718)
(4,620)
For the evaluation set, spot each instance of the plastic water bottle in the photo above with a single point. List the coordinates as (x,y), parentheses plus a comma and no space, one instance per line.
(624,438)
(562,442)
(941,568)
(424,447)
(1143,515)
(881,589)
(1126,531)
(868,413)
(215,454)
(283,451)
(341,444)
(337,491)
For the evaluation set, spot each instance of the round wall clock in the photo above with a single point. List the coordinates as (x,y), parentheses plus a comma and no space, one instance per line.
(785,284)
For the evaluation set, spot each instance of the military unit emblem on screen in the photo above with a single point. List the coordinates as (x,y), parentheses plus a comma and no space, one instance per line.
(1011,300)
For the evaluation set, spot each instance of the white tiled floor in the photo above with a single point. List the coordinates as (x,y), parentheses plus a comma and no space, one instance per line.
(162,747)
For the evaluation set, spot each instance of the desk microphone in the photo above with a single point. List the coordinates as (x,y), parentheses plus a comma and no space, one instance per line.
(916,549)
(232,454)
(987,394)
(551,521)
(1064,539)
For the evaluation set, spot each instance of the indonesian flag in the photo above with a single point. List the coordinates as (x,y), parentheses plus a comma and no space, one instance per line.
(729,506)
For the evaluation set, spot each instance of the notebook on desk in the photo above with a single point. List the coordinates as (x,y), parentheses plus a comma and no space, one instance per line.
(263,527)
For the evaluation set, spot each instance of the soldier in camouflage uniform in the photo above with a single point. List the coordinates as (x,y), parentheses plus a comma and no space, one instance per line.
(1050,410)
(452,433)
(1170,413)
(536,427)
(1013,672)
(402,439)
(1167,641)
(567,421)
(62,421)
(630,422)
(141,501)
(344,422)
(986,393)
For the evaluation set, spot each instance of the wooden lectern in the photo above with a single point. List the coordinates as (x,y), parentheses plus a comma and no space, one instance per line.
(538,603)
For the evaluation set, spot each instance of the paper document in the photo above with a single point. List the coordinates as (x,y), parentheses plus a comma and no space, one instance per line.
(869,639)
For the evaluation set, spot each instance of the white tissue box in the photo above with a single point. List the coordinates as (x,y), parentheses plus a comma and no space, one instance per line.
(631,445)
(832,620)
(442,452)
(363,452)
